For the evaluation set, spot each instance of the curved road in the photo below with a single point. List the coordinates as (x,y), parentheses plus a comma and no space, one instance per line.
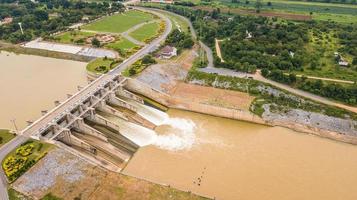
(46,119)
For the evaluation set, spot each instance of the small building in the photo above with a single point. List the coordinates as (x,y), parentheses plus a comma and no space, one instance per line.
(230,19)
(343,63)
(168,52)
(248,34)
(6,20)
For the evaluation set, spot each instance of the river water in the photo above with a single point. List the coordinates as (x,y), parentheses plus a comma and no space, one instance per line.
(237,160)
(29,84)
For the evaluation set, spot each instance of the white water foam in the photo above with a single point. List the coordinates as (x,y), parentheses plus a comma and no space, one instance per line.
(181,137)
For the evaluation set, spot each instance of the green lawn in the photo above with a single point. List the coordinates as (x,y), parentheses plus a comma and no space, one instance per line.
(145,32)
(119,23)
(122,45)
(101,65)
(70,37)
(5,136)
(177,22)
(18,161)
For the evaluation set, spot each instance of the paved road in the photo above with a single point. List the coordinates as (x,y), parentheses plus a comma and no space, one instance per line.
(71,102)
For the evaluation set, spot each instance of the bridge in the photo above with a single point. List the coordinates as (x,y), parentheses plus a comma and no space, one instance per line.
(55,124)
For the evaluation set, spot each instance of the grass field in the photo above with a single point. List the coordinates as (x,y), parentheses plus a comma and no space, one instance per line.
(177,22)
(145,32)
(122,44)
(5,136)
(73,37)
(119,23)
(99,65)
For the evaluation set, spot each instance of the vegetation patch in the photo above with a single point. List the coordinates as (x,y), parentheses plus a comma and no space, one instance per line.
(146,32)
(73,37)
(139,66)
(123,46)
(120,22)
(102,65)
(23,158)
(5,136)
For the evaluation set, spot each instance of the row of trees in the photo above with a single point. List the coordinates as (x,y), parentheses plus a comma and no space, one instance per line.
(48,16)
(347,94)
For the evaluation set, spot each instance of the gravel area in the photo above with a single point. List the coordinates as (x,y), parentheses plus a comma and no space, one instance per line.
(162,77)
(56,164)
(343,126)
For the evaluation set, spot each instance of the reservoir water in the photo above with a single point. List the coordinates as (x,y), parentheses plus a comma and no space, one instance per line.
(237,160)
(30,84)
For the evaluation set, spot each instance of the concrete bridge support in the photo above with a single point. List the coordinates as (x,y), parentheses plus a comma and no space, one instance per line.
(125,93)
(82,127)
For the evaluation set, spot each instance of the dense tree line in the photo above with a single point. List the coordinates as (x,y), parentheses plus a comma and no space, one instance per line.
(179,39)
(47,16)
(347,94)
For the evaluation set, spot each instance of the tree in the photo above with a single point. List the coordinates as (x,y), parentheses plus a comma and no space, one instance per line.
(148,59)
(95,42)
(258,5)
(269,3)
(265,72)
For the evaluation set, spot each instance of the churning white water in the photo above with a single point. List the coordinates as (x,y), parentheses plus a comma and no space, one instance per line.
(181,134)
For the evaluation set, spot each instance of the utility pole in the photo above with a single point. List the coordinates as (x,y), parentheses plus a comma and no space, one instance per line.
(22,31)
(14,123)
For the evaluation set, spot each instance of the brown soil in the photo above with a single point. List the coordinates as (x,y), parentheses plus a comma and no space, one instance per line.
(212,96)
(291,16)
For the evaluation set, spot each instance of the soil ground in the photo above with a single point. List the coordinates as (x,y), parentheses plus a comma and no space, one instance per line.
(66,176)
(168,76)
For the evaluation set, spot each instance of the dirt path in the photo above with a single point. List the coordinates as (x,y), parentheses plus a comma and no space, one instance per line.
(218,49)
(308,95)
(325,79)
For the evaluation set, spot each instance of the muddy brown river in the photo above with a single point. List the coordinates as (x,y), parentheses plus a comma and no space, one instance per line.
(207,155)
(237,160)
(29,84)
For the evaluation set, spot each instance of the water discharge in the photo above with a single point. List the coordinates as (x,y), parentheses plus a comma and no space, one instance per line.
(181,136)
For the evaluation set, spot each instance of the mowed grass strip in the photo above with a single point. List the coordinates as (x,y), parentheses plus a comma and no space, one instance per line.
(5,136)
(122,44)
(70,37)
(145,32)
(119,23)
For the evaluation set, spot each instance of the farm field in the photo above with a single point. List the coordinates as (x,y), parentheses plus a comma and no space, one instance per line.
(119,23)
(5,136)
(342,13)
(145,32)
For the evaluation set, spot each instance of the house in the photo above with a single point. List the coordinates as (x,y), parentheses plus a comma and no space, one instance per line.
(248,34)
(230,19)
(168,52)
(6,20)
